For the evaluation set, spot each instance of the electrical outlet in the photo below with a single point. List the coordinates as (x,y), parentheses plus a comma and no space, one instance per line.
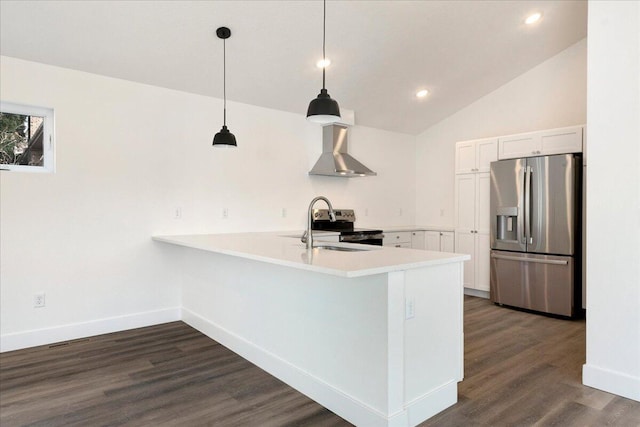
(441,212)
(366,211)
(284,212)
(225,213)
(409,308)
(38,300)
(177,213)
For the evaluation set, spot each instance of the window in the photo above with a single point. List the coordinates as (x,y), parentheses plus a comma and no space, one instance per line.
(26,138)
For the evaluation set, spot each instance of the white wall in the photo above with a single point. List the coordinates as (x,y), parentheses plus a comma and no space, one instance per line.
(551,95)
(613,199)
(127,155)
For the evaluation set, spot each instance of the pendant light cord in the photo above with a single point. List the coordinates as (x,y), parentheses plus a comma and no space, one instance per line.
(224,81)
(324,30)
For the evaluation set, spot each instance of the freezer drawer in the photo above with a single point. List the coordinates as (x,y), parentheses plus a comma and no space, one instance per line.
(536,282)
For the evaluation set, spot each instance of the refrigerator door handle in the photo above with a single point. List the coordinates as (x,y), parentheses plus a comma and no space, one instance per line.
(534,260)
(527,205)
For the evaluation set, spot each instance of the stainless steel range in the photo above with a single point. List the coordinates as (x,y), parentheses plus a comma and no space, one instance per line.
(344,223)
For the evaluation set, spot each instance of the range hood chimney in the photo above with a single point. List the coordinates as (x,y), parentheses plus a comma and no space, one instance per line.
(335,160)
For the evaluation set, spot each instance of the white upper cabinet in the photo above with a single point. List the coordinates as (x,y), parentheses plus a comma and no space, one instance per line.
(560,141)
(476,156)
(465,157)
(541,143)
(516,146)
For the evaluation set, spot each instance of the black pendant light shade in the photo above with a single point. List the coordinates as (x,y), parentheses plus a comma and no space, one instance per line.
(224,138)
(323,109)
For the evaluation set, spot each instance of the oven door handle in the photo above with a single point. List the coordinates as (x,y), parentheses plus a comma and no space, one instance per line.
(361,237)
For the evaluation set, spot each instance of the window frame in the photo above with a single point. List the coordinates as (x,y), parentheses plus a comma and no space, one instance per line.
(48,137)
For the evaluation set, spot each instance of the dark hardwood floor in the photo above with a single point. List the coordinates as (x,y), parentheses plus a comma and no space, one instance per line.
(520,370)
(524,369)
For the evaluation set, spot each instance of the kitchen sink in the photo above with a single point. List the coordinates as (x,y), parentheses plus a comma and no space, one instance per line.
(344,248)
(341,248)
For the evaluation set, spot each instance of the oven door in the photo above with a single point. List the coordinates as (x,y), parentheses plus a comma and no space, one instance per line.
(363,238)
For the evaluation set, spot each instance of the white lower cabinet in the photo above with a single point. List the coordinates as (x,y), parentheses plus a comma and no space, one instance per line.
(476,270)
(447,241)
(400,239)
(466,244)
(483,252)
(432,240)
(442,241)
(417,239)
(473,227)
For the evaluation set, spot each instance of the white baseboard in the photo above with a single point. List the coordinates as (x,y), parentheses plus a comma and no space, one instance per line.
(432,403)
(346,406)
(36,337)
(476,293)
(611,381)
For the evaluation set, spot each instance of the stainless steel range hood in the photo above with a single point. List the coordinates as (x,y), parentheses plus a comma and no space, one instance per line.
(335,160)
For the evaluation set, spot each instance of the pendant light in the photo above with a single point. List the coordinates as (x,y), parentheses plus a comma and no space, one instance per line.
(224,138)
(323,109)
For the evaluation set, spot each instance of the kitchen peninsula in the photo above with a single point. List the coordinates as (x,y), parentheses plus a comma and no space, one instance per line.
(374,335)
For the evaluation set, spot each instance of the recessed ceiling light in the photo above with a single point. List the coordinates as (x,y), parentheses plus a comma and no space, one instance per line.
(533,18)
(422,93)
(323,63)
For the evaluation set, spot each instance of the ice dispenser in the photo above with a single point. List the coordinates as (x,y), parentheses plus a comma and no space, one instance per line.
(507,223)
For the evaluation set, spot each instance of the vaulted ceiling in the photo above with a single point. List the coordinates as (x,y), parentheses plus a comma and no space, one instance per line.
(382,52)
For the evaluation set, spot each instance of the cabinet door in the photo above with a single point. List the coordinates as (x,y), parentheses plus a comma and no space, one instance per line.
(482,203)
(418,239)
(465,202)
(465,244)
(561,141)
(486,152)
(465,157)
(446,242)
(432,240)
(397,238)
(483,262)
(524,145)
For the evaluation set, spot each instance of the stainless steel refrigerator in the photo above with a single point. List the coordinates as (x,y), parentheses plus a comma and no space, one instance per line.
(535,233)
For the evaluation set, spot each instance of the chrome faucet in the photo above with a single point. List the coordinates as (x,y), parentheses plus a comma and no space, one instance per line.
(307,236)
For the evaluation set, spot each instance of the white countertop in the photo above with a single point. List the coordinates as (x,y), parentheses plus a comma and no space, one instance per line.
(400,228)
(282,249)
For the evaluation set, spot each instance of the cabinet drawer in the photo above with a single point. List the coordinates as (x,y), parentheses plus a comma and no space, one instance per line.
(398,245)
(392,239)
(403,245)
